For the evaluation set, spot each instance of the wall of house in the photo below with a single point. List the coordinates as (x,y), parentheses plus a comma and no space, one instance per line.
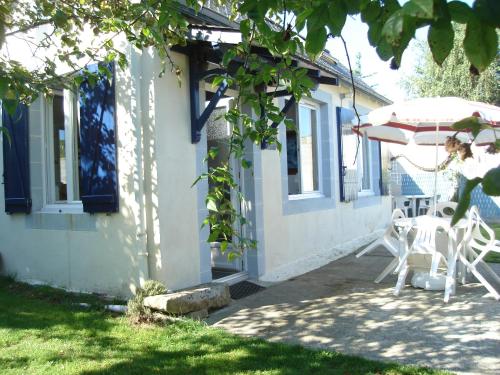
(79,251)
(302,235)
(172,164)
(156,234)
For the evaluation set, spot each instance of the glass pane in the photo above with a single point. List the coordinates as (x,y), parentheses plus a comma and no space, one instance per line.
(365,183)
(308,149)
(292,153)
(58,134)
(76,154)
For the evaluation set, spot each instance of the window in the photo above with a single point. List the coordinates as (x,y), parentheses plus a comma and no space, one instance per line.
(364,165)
(62,151)
(78,150)
(303,150)
(357,160)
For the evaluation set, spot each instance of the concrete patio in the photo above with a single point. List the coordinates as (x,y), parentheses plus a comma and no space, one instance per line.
(338,307)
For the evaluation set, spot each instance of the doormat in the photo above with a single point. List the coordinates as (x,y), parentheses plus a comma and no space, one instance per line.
(244,289)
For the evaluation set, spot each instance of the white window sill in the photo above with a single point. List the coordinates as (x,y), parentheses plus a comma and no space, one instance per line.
(312,195)
(63,208)
(366,193)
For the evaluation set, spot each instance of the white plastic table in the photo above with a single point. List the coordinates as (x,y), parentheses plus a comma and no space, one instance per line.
(424,280)
(414,198)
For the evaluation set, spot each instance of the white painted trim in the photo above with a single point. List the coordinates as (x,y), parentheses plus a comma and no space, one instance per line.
(366,193)
(71,118)
(232,279)
(63,208)
(311,195)
(318,259)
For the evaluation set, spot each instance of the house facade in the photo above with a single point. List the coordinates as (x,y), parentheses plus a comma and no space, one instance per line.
(97,182)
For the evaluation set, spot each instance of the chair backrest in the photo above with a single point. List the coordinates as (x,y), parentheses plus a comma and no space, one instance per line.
(481,238)
(443,209)
(428,235)
(396,214)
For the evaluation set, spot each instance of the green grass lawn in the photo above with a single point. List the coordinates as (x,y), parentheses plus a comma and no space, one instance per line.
(43,332)
(494,257)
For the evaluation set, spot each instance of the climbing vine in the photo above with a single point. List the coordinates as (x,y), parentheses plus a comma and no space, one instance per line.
(288,29)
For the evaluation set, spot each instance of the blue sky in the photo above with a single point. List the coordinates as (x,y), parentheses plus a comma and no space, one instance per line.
(385,80)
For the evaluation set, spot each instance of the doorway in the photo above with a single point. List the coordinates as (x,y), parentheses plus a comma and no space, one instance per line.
(219,136)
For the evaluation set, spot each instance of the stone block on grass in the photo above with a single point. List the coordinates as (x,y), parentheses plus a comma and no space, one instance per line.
(204,297)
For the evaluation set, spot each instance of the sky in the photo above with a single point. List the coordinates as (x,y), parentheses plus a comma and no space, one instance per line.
(380,75)
(385,80)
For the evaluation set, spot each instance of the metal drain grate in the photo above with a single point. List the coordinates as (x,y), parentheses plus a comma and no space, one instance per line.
(244,289)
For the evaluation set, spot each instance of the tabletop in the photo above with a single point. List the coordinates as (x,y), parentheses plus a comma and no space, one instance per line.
(444,222)
(418,196)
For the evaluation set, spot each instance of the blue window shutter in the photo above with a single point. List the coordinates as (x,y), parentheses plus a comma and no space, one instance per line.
(16,171)
(340,154)
(376,168)
(98,157)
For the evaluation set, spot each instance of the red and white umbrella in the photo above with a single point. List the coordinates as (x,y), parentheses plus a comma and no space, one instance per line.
(427,121)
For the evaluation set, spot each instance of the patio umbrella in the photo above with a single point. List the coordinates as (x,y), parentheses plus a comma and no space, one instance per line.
(428,121)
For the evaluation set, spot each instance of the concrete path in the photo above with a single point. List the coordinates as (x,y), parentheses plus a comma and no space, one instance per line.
(338,307)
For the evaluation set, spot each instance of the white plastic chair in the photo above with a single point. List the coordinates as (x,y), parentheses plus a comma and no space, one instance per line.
(404,204)
(424,206)
(454,253)
(390,240)
(399,201)
(424,244)
(443,209)
(479,240)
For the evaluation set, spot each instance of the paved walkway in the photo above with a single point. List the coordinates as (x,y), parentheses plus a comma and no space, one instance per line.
(339,307)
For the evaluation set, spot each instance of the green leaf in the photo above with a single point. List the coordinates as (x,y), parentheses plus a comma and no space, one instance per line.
(213,152)
(374,33)
(228,56)
(393,28)
(60,18)
(488,11)
(491,182)
(419,9)
(214,236)
(336,19)
(351,6)
(10,105)
(223,246)
(459,11)
(384,50)
(4,86)
(464,201)
(440,38)
(245,27)
(6,133)
(315,40)
(289,123)
(302,17)
(480,43)
(211,206)
(246,163)
(371,12)
(471,124)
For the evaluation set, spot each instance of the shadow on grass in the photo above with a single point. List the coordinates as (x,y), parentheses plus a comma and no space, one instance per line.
(217,353)
(40,336)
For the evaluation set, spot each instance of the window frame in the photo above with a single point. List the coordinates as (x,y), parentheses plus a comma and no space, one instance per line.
(315,193)
(368,155)
(71,123)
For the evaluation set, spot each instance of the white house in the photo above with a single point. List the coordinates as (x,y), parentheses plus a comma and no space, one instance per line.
(97,186)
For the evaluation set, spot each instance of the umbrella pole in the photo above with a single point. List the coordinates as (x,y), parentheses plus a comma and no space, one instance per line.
(436,170)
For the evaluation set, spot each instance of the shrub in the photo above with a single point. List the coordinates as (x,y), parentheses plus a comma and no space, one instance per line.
(137,312)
